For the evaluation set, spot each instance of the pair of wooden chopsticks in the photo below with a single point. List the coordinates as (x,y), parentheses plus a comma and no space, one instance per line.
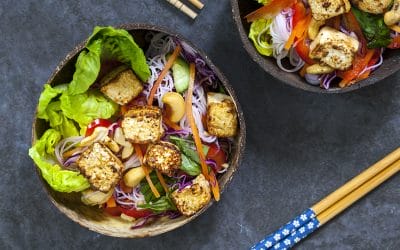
(326,209)
(185,9)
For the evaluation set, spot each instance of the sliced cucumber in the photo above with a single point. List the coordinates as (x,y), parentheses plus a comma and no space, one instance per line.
(180,73)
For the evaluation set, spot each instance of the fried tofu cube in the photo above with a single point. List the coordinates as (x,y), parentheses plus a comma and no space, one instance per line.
(101,167)
(325,9)
(194,197)
(121,85)
(221,115)
(143,124)
(373,6)
(334,48)
(163,156)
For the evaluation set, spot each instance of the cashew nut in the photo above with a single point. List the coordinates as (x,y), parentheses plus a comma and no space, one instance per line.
(127,151)
(111,144)
(119,136)
(393,16)
(133,177)
(175,106)
(317,69)
(98,134)
(313,28)
(92,197)
(120,139)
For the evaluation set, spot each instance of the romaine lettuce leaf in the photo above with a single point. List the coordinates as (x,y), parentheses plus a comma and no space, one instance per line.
(264,46)
(116,43)
(58,179)
(86,107)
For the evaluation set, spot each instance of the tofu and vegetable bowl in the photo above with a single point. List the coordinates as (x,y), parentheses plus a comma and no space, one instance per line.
(333,45)
(137,132)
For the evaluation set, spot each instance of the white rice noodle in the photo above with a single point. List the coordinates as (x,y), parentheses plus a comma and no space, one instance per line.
(280,32)
(199,109)
(157,64)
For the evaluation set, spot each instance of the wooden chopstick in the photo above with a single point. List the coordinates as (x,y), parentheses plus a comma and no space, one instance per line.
(356,182)
(197,3)
(183,8)
(358,193)
(333,204)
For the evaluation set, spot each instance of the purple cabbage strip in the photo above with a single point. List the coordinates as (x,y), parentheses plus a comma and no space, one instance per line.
(203,73)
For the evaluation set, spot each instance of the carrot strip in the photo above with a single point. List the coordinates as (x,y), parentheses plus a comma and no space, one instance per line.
(171,124)
(189,115)
(298,31)
(163,73)
(146,171)
(162,181)
(123,109)
(111,202)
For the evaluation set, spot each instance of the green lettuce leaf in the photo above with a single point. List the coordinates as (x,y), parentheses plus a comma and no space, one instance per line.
(264,46)
(374,29)
(45,98)
(58,179)
(116,43)
(87,68)
(86,107)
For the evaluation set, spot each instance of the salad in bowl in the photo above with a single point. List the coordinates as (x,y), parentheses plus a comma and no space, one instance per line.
(330,44)
(139,136)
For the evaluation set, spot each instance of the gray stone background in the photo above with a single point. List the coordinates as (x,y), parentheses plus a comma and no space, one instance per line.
(300,147)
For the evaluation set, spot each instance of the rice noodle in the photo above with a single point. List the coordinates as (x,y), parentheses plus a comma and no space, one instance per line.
(280,30)
(128,200)
(199,109)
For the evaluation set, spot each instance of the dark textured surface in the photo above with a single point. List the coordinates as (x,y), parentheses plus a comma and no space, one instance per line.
(300,145)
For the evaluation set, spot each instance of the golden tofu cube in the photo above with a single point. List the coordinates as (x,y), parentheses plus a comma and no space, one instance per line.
(163,156)
(192,198)
(221,115)
(101,167)
(325,9)
(143,124)
(121,85)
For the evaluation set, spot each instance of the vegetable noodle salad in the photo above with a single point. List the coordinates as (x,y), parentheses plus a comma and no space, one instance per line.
(141,134)
(329,42)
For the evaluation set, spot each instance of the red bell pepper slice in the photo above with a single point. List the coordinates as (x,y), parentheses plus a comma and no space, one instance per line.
(97,123)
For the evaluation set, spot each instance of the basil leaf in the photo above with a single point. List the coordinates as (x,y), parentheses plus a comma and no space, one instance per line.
(374,29)
(163,204)
(190,167)
(187,147)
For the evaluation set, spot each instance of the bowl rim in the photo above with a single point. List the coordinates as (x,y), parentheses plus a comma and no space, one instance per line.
(260,60)
(241,137)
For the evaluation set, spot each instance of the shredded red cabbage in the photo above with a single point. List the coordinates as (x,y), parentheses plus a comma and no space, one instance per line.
(203,73)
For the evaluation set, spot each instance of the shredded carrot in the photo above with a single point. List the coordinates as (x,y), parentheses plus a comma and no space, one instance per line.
(189,115)
(162,181)
(163,73)
(171,124)
(298,31)
(111,202)
(146,171)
